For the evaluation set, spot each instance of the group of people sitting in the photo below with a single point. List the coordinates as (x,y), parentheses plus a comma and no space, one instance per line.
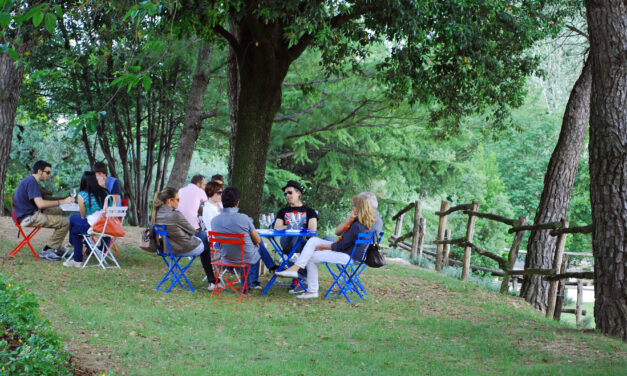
(32,210)
(189,213)
(187,231)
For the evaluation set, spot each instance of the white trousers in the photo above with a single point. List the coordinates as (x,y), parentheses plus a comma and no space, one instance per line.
(310,258)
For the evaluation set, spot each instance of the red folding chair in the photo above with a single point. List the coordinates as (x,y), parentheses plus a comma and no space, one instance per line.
(26,238)
(222,267)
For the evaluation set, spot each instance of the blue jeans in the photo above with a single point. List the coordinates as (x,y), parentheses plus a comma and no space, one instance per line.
(253,274)
(265,256)
(78,227)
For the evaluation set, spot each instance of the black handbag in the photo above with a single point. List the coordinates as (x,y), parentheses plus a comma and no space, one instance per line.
(374,258)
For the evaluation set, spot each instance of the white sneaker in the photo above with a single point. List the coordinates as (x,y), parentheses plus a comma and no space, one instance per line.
(212,286)
(71,262)
(308,295)
(286,274)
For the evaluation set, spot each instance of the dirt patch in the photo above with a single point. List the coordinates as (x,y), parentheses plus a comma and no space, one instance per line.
(9,232)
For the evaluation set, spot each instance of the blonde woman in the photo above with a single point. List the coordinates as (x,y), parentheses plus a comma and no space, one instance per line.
(318,250)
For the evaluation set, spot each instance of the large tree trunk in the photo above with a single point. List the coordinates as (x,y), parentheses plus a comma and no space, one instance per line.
(607,26)
(558,187)
(193,118)
(255,77)
(11,75)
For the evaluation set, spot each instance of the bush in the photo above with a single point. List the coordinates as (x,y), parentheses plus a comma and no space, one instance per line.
(28,344)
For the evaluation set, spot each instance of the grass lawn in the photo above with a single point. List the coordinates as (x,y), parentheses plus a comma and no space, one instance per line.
(413,322)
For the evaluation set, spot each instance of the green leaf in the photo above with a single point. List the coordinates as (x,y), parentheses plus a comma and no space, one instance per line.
(58,9)
(13,54)
(146,82)
(51,22)
(38,16)
(5,20)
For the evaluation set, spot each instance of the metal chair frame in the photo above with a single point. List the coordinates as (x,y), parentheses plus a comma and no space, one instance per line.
(25,238)
(346,278)
(175,272)
(96,241)
(222,267)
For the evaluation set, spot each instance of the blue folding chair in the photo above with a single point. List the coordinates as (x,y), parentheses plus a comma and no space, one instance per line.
(346,277)
(175,272)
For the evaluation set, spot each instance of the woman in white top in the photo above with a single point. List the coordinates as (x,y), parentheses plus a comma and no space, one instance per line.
(213,206)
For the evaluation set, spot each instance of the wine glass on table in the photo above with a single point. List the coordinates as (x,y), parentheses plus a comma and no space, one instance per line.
(73,193)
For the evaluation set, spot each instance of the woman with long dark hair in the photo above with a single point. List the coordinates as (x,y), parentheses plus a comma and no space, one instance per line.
(91,198)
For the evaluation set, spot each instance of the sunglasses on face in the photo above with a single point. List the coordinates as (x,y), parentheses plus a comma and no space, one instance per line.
(288,193)
(175,199)
(47,172)
(219,192)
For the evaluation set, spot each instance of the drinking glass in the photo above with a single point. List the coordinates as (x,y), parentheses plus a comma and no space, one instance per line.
(73,193)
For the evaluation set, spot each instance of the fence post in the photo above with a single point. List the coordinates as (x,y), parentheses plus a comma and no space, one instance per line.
(470,231)
(416,232)
(559,300)
(513,254)
(579,301)
(444,206)
(421,236)
(399,226)
(557,262)
(447,248)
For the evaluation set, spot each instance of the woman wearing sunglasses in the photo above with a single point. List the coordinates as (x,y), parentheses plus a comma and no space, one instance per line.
(213,206)
(180,231)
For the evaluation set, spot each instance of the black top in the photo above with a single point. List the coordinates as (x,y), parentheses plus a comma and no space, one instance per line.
(297,217)
(349,237)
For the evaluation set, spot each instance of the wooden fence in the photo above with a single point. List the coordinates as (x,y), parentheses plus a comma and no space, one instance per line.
(441,257)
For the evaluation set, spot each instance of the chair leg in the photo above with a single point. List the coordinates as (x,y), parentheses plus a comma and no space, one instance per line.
(25,241)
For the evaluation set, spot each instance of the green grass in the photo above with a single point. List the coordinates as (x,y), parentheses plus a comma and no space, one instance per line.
(413,322)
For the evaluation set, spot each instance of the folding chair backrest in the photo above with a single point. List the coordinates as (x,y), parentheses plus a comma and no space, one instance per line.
(162,240)
(112,211)
(362,238)
(13,213)
(221,238)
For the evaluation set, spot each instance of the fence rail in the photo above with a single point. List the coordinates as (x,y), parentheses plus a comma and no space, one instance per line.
(556,275)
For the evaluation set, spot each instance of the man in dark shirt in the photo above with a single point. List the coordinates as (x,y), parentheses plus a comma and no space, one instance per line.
(295,216)
(28,206)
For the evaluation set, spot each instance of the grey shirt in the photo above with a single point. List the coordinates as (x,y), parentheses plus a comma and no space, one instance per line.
(230,221)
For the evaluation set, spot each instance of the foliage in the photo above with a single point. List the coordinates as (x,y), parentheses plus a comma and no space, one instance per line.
(138,326)
(29,345)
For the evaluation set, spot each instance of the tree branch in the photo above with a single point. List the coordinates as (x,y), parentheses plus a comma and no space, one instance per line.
(295,51)
(229,38)
(292,117)
(331,125)
(311,82)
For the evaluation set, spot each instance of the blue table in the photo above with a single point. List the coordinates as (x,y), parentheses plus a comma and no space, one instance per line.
(272,234)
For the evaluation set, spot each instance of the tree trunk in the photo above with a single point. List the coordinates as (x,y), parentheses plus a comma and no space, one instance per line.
(607,26)
(255,74)
(11,77)
(193,118)
(558,186)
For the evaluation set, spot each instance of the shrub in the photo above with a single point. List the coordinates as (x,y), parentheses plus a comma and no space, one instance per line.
(28,344)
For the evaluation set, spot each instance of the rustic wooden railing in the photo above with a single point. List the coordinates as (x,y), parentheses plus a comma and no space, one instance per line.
(555,275)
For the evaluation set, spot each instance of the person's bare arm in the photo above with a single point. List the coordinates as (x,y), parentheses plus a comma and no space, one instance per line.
(339,230)
(81,206)
(312,225)
(45,204)
(279,224)
(254,236)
